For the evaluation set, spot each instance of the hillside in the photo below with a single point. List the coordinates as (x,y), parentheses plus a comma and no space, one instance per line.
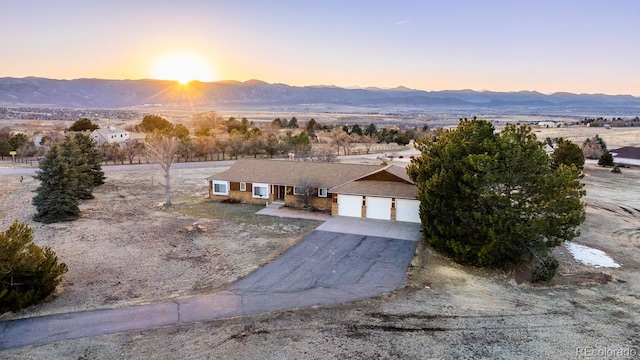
(113,94)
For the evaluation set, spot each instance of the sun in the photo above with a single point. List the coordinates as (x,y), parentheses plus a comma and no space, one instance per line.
(182,68)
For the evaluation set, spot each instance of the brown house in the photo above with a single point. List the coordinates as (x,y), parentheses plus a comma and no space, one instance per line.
(369,191)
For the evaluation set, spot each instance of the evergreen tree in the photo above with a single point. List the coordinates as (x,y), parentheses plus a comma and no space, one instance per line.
(371,129)
(78,161)
(312,125)
(492,199)
(151,123)
(56,198)
(28,273)
(356,129)
(90,149)
(606,159)
(567,153)
(83,124)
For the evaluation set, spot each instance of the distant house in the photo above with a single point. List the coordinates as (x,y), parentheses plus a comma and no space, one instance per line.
(547,124)
(363,191)
(110,134)
(628,155)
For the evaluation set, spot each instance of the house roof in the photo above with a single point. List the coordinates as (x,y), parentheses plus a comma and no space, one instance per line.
(627,152)
(109,130)
(377,188)
(374,180)
(284,172)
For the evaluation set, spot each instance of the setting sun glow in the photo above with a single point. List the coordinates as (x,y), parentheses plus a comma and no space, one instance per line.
(182,68)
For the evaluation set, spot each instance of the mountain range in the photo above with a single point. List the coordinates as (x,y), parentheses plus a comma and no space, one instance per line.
(115,94)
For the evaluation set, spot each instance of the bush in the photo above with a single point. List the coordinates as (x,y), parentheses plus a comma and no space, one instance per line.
(616,169)
(606,159)
(545,270)
(28,273)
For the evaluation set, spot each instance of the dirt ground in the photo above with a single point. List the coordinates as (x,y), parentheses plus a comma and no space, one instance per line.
(127,250)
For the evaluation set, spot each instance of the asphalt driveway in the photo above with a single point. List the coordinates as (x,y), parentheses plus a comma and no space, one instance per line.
(325,268)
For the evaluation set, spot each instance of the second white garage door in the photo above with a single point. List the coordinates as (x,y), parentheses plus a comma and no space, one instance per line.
(350,205)
(378,208)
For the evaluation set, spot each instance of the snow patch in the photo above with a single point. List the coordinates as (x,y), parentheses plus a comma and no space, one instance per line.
(590,256)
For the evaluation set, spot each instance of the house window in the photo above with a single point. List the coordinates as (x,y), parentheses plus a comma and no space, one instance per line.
(220,187)
(243,186)
(298,190)
(322,192)
(260,190)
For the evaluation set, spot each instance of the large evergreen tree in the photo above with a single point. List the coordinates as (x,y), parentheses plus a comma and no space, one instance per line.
(56,198)
(28,273)
(78,161)
(93,157)
(492,199)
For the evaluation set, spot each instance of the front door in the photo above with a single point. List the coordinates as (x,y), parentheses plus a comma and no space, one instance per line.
(281,192)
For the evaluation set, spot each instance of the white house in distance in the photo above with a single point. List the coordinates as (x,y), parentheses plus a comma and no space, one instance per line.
(110,134)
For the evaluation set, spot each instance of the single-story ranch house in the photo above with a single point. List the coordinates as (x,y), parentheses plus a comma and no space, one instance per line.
(368,191)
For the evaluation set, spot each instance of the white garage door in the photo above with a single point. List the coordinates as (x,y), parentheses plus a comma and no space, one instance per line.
(407,210)
(378,208)
(350,205)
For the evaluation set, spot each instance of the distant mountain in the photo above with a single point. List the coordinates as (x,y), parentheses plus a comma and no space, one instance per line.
(98,93)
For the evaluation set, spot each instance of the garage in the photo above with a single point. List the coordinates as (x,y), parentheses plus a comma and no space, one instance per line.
(350,205)
(378,208)
(408,210)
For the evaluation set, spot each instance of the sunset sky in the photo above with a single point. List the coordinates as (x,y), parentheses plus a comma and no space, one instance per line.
(580,46)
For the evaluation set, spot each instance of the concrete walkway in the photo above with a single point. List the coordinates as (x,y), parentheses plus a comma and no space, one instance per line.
(325,268)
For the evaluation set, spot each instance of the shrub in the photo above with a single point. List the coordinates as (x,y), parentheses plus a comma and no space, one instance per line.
(606,159)
(616,169)
(28,273)
(545,270)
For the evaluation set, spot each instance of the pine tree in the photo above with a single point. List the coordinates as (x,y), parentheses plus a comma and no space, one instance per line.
(77,160)
(606,159)
(491,199)
(94,158)
(28,273)
(567,153)
(56,198)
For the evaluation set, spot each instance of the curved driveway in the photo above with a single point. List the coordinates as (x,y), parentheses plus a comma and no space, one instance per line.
(325,268)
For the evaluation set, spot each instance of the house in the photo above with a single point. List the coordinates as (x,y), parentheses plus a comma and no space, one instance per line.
(627,155)
(367,191)
(110,134)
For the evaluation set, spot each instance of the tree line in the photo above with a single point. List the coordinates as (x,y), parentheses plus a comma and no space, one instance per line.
(214,138)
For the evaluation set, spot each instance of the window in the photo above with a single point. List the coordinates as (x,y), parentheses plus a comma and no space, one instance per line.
(260,190)
(243,186)
(298,190)
(220,188)
(322,192)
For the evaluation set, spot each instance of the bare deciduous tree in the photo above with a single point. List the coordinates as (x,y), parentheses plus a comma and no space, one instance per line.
(162,148)
(367,141)
(131,149)
(307,190)
(324,153)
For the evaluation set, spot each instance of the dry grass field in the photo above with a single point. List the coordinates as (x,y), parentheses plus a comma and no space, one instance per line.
(125,249)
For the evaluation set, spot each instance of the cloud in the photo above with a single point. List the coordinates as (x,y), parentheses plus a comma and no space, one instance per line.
(402,22)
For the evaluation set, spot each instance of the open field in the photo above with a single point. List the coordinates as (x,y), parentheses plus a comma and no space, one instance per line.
(126,250)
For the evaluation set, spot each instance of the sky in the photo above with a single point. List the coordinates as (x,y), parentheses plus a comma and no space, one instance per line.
(580,46)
